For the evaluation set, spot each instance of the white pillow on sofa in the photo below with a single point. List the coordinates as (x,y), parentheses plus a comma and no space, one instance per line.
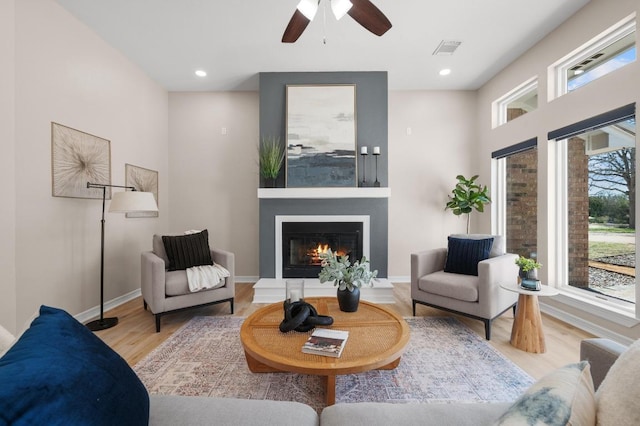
(617,396)
(562,397)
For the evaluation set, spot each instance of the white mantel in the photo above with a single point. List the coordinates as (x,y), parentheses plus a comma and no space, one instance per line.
(314,193)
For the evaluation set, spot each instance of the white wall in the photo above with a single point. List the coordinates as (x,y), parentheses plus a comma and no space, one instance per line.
(214,176)
(614,90)
(65,73)
(7,169)
(423,167)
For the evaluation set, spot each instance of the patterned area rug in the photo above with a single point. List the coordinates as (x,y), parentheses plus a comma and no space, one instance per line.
(444,362)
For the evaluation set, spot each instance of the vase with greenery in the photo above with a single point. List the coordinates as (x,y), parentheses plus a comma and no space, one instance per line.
(347,277)
(528,267)
(468,196)
(271,157)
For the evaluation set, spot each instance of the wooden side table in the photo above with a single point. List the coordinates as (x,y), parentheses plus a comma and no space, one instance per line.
(527,333)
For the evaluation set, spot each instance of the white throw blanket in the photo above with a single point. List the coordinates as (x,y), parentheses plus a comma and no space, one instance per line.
(206,277)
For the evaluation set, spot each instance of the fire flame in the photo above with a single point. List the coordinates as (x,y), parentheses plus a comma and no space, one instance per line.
(314,254)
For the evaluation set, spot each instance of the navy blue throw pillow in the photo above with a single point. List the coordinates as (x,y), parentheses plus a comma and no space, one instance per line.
(60,373)
(464,254)
(186,251)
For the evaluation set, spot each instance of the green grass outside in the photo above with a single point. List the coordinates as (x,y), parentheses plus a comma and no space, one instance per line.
(601,249)
(611,230)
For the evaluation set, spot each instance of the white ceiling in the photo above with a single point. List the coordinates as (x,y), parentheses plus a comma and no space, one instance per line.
(234,40)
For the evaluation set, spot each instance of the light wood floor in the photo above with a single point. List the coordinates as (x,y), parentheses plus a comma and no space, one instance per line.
(134,337)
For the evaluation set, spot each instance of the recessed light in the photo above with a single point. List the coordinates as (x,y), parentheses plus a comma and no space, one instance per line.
(445,71)
(201,73)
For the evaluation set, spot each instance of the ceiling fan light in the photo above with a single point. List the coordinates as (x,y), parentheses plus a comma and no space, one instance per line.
(340,7)
(308,8)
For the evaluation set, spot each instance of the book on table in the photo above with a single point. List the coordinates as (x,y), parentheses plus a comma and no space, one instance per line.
(326,342)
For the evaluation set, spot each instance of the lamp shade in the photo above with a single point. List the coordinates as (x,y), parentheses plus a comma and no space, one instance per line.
(308,8)
(133,201)
(340,7)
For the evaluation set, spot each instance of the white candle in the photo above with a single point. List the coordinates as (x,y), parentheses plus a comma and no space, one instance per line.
(294,296)
(376,150)
(363,150)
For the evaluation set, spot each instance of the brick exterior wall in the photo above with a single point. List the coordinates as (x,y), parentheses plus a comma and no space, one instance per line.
(522,203)
(578,217)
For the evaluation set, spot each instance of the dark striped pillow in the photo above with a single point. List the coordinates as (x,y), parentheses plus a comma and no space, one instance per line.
(185,251)
(464,254)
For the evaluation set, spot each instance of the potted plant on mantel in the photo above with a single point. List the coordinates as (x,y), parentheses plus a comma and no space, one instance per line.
(347,277)
(468,196)
(271,156)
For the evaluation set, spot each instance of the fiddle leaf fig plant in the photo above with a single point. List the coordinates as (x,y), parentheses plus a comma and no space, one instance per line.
(468,196)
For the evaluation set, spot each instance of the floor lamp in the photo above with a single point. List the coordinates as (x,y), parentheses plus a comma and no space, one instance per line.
(121,202)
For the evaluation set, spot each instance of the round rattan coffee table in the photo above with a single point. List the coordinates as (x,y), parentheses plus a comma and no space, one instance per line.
(377,338)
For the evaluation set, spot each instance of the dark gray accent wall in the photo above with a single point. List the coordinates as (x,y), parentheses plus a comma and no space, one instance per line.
(371,130)
(372,118)
(376,208)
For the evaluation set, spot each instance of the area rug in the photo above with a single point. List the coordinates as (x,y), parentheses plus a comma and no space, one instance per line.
(444,361)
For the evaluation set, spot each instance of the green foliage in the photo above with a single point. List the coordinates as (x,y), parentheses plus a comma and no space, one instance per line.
(343,273)
(468,196)
(271,155)
(527,264)
(609,208)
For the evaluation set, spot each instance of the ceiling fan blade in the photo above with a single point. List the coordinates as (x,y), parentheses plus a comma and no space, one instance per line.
(296,27)
(369,16)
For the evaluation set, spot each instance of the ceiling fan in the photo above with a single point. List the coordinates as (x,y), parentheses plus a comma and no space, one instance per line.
(362,11)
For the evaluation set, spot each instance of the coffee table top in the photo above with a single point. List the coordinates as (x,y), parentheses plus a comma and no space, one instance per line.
(377,337)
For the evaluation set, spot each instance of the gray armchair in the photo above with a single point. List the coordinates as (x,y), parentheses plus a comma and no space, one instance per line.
(166,291)
(479,297)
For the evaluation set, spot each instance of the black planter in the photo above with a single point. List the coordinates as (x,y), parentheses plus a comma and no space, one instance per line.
(349,300)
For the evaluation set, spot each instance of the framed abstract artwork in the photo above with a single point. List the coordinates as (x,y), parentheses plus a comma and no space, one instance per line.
(321,136)
(77,158)
(144,180)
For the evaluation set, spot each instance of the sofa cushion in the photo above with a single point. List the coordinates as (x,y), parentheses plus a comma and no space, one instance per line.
(563,397)
(59,372)
(185,251)
(454,286)
(463,254)
(617,396)
(377,413)
(203,410)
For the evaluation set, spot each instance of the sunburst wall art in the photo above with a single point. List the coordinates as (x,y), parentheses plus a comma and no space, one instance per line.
(144,180)
(77,158)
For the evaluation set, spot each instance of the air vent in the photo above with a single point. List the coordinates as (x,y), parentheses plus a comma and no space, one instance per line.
(446,47)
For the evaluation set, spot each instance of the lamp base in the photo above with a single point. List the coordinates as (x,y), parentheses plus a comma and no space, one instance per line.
(102,324)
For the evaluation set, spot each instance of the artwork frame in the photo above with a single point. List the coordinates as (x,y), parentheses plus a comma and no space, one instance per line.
(321,136)
(78,157)
(142,179)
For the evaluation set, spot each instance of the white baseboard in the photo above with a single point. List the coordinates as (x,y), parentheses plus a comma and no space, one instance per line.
(94,312)
(246,279)
(400,279)
(585,325)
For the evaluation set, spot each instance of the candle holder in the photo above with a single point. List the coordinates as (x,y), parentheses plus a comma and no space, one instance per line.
(376,154)
(294,290)
(363,153)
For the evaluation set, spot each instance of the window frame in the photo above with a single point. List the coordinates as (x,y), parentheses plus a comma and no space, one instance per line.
(619,311)
(557,72)
(499,106)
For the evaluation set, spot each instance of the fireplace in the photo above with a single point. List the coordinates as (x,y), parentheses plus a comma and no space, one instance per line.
(304,242)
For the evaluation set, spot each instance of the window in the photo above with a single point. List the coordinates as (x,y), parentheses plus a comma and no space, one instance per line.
(596,199)
(608,52)
(519,101)
(516,197)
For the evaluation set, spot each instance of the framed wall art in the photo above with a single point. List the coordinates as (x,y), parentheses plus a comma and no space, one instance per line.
(144,180)
(77,158)
(321,136)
